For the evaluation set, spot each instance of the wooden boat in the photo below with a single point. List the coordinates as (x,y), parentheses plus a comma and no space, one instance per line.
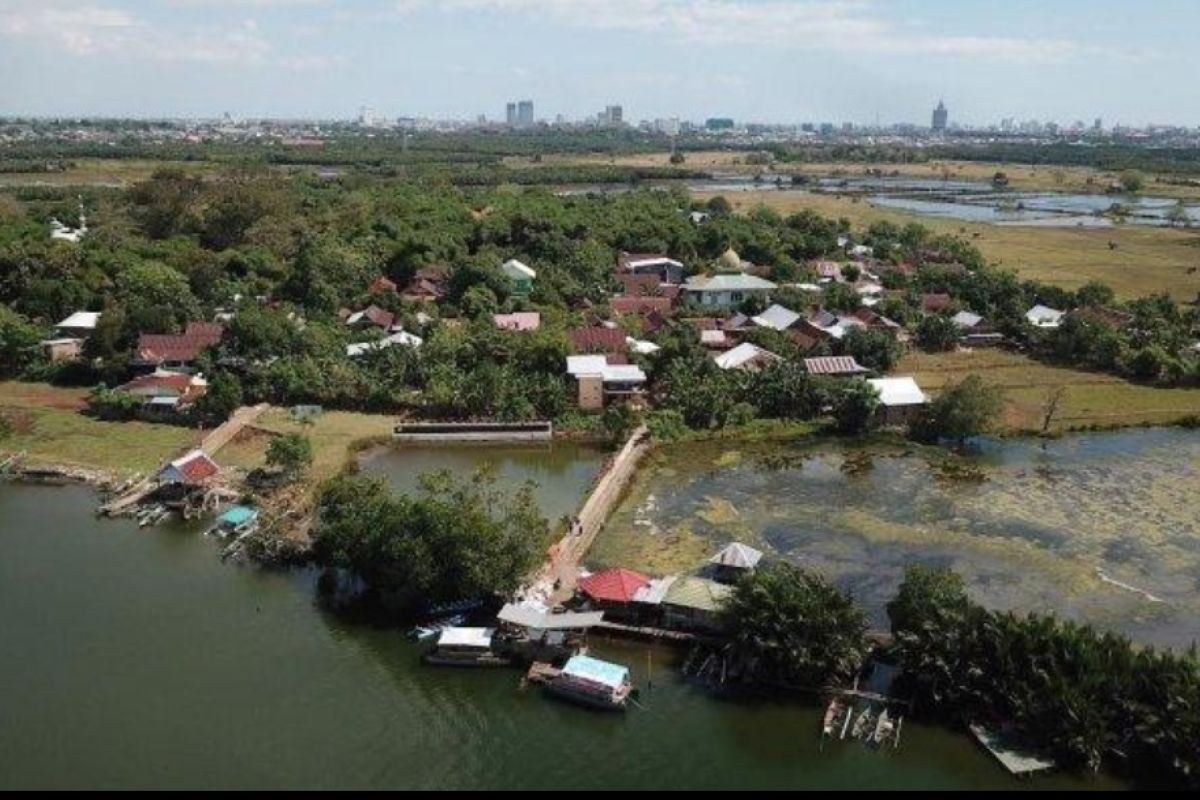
(466,647)
(883,728)
(862,726)
(833,716)
(587,681)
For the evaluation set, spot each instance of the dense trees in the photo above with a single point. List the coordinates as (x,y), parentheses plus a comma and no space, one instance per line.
(290,453)
(790,626)
(961,410)
(1085,696)
(457,539)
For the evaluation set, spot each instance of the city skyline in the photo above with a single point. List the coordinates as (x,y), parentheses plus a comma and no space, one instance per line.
(857,61)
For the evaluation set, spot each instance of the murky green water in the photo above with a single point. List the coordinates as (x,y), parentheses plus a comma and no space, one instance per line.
(135,658)
(562,471)
(1102,527)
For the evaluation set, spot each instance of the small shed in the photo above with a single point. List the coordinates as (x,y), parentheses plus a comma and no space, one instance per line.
(735,560)
(194,469)
(693,603)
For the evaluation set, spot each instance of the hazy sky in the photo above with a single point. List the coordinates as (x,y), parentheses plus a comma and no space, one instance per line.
(1131,61)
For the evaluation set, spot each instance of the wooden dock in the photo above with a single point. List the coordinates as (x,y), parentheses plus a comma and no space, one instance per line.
(647,632)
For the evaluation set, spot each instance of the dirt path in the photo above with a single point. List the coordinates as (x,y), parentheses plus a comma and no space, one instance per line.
(224,434)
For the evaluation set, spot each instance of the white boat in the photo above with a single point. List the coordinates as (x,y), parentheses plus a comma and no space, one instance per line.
(465,647)
(430,629)
(883,728)
(862,726)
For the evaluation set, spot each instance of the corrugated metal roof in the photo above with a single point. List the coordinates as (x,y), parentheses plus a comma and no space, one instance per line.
(736,554)
(532,618)
(593,669)
(698,593)
(834,365)
(615,585)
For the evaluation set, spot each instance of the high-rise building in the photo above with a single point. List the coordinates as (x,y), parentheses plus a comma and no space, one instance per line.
(510,115)
(941,117)
(525,114)
(613,115)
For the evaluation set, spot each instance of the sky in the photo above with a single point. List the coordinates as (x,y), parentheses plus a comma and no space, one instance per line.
(1127,61)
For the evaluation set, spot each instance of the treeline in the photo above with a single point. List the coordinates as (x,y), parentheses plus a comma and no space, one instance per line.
(1090,699)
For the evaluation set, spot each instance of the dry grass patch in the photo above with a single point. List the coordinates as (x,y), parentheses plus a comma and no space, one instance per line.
(1088,399)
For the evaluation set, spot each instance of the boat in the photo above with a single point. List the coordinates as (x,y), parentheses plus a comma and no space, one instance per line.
(236,521)
(432,628)
(465,647)
(152,516)
(883,728)
(587,681)
(862,725)
(833,716)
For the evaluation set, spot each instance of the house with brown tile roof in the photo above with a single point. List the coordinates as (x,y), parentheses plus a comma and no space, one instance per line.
(597,339)
(177,352)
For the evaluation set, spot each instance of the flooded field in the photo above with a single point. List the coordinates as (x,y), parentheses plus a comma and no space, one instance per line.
(1102,528)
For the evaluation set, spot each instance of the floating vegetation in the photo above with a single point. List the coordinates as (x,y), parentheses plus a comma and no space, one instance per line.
(730,458)
(1094,527)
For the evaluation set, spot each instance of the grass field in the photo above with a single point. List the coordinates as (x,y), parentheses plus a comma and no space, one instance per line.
(102,172)
(334,436)
(50,428)
(1089,399)
(1145,260)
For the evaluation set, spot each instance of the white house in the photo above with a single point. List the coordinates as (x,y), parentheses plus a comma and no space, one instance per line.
(725,291)
(399,338)
(900,399)
(746,356)
(601,382)
(1044,317)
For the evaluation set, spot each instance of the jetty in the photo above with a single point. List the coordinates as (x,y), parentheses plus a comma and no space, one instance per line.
(558,576)
(1011,755)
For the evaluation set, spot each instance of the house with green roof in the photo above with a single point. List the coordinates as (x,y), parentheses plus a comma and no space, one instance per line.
(694,604)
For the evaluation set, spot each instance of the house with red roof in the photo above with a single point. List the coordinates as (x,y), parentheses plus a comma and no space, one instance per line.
(382,285)
(164,391)
(177,352)
(613,591)
(597,339)
(935,302)
(194,469)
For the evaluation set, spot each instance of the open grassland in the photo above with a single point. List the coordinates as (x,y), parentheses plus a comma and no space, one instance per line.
(335,435)
(49,427)
(1088,399)
(111,172)
(1143,261)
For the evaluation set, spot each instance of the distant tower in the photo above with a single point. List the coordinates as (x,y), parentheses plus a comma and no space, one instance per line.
(525,114)
(510,115)
(940,117)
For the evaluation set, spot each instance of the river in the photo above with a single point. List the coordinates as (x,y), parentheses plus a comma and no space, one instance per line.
(137,659)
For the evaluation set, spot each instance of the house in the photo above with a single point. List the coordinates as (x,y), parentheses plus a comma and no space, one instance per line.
(900,400)
(401,338)
(734,561)
(601,382)
(371,315)
(715,339)
(935,302)
(166,391)
(694,604)
(382,285)
(976,331)
(825,325)
(641,306)
(1044,317)
(520,276)
(597,339)
(177,352)
(663,267)
(427,286)
(746,356)
(777,318)
(837,366)
(518,321)
(828,272)
(193,469)
(873,320)
(612,591)
(726,290)
(79,325)
(69,336)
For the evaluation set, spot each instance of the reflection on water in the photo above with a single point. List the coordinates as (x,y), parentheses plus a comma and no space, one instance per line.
(1100,527)
(562,472)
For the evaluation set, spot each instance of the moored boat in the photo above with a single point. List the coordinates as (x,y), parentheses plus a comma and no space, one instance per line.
(587,681)
(833,715)
(466,647)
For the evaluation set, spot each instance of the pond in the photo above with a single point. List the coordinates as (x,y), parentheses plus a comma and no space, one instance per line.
(137,659)
(1102,528)
(562,471)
